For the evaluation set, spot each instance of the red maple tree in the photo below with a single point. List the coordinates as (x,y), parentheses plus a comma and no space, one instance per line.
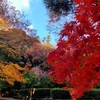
(76,61)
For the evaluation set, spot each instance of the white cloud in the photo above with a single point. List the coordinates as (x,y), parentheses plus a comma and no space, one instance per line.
(21,4)
(26,3)
(17,4)
(31,27)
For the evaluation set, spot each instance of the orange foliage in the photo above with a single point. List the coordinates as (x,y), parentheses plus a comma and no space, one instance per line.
(14,42)
(3,24)
(11,73)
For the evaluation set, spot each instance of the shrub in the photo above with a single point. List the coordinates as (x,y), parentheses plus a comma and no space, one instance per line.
(95,93)
(42,93)
(21,93)
(57,93)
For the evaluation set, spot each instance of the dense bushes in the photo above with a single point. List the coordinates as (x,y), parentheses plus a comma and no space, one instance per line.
(95,93)
(57,93)
(64,94)
(42,93)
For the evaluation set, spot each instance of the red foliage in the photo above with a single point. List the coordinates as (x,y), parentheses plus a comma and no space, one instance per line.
(76,60)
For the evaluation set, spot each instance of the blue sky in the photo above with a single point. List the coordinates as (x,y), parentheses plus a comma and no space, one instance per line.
(36,13)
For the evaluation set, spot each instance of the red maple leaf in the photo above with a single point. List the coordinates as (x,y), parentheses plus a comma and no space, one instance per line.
(76,60)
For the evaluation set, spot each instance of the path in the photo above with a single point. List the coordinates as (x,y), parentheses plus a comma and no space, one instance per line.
(9,99)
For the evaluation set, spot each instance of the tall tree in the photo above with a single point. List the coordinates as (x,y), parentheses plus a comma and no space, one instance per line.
(76,61)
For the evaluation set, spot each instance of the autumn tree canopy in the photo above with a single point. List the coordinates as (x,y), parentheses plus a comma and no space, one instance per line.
(36,55)
(11,73)
(3,24)
(14,40)
(76,61)
(13,43)
(15,18)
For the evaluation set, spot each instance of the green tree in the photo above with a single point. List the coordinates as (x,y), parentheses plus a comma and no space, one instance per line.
(57,8)
(31,80)
(47,39)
